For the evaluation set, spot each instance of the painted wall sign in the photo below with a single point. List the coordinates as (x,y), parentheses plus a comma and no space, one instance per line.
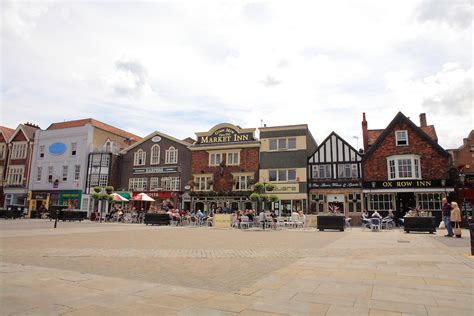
(156,139)
(329,185)
(57,149)
(406,184)
(225,135)
(285,188)
(154,170)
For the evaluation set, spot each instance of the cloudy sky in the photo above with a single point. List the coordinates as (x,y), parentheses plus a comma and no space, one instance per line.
(183,66)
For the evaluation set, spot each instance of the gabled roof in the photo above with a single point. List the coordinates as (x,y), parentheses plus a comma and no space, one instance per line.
(7,132)
(328,138)
(155,133)
(27,130)
(399,118)
(97,124)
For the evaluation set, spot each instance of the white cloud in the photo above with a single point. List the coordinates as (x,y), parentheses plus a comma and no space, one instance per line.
(456,13)
(181,67)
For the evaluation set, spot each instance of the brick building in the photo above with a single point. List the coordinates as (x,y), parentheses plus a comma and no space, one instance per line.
(5,134)
(283,160)
(335,177)
(225,162)
(158,165)
(463,161)
(19,159)
(404,167)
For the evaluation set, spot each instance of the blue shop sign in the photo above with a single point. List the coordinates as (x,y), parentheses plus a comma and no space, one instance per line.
(57,149)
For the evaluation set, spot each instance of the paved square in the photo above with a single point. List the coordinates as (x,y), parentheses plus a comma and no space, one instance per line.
(91,268)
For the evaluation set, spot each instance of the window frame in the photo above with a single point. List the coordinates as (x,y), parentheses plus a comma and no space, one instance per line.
(398,140)
(74,149)
(171,156)
(65,173)
(155,157)
(395,174)
(138,155)
(77,172)
(278,172)
(39,172)
(278,145)
(17,148)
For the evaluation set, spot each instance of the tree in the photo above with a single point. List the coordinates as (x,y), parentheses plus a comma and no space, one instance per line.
(102,194)
(260,194)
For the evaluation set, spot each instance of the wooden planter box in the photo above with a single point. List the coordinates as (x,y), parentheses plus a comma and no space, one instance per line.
(330,222)
(157,219)
(68,215)
(10,213)
(420,224)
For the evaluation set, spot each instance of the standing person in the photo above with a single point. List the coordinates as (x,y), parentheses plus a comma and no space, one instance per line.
(456,219)
(446,209)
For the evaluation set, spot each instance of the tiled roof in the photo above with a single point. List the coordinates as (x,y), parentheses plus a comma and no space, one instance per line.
(189,140)
(29,130)
(373,134)
(95,123)
(7,132)
(430,131)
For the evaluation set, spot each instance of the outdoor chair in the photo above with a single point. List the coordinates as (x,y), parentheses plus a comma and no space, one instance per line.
(375,224)
(244,222)
(348,222)
(388,223)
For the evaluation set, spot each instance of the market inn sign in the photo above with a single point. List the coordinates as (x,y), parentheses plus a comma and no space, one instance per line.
(406,184)
(225,134)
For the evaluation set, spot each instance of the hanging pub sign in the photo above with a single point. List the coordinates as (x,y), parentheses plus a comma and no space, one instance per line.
(398,184)
(224,134)
(337,185)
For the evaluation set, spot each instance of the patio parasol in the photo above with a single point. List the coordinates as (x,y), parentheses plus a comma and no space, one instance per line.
(142,197)
(118,198)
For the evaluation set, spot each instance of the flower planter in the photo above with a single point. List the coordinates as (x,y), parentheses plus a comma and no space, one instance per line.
(157,219)
(420,224)
(330,222)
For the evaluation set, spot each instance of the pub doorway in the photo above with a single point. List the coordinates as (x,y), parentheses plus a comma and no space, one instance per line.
(405,202)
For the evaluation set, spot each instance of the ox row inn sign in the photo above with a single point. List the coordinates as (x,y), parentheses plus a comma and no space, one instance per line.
(407,184)
(225,134)
(155,170)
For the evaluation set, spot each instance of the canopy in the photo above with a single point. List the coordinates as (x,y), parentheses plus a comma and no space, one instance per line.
(142,197)
(118,198)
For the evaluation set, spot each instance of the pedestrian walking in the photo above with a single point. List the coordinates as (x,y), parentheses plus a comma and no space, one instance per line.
(446,210)
(456,219)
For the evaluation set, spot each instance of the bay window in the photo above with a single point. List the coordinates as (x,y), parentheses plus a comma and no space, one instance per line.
(403,167)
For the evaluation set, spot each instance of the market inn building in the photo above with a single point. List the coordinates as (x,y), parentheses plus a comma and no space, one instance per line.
(404,167)
(335,178)
(225,163)
(283,161)
(160,166)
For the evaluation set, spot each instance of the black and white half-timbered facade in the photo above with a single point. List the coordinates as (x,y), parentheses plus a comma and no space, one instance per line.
(334,177)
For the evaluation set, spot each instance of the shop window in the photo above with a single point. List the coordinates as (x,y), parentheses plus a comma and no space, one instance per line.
(401,138)
(381,202)
(429,201)
(354,202)
(155,155)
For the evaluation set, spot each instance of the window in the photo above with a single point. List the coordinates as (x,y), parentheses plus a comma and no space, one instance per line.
(77,172)
(202,183)
(96,159)
(242,182)
(381,202)
(401,138)
(19,150)
(1,172)
(41,151)
(171,155)
(15,175)
(73,149)
(155,155)
(39,171)
(50,173)
(282,143)
(3,150)
(355,202)
(171,183)
(429,201)
(282,175)
(403,167)
(105,160)
(65,169)
(155,184)
(139,158)
(215,159)
(137,184)
(233,159)
(347,171)
(103,180)
(321,171)
(94,180)
(108,146)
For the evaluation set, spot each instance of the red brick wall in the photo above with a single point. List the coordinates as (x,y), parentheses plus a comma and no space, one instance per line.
(433,164)
(248,163)
(463,157)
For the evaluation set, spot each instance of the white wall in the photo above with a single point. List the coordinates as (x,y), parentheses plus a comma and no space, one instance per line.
(80,135)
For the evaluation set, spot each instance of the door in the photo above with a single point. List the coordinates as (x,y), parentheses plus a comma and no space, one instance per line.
(405,202)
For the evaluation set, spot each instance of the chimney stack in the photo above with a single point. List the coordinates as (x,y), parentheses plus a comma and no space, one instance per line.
(365,132)
(422,119)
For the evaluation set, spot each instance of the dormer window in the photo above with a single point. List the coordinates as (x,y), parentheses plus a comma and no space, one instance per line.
(401,138)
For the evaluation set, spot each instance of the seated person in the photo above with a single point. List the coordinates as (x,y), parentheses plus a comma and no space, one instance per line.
(365,218)
(200,215)
(376,215)
(390,215)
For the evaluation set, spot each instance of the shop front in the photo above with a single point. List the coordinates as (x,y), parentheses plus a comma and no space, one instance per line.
(290,198)
(336,197)
(210,202)
(15,196)
(403,196)
(70,198)
(39,200)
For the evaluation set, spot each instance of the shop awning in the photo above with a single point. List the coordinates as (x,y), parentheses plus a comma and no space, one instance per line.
(124,195)
(118,198)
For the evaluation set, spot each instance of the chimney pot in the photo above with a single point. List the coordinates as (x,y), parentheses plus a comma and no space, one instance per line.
(423,119)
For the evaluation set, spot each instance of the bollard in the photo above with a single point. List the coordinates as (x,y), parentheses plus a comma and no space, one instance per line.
(471,230)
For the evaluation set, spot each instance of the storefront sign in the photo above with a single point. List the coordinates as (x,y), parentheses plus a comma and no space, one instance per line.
(330,185)
(285,188)
(154,170)
(156,195)
(406,184)
(40,195)
(225,135)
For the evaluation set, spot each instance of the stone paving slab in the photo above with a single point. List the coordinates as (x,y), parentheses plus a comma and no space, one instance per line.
(117,271)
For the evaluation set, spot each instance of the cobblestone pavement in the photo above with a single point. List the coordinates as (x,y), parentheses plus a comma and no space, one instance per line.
(91,268)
